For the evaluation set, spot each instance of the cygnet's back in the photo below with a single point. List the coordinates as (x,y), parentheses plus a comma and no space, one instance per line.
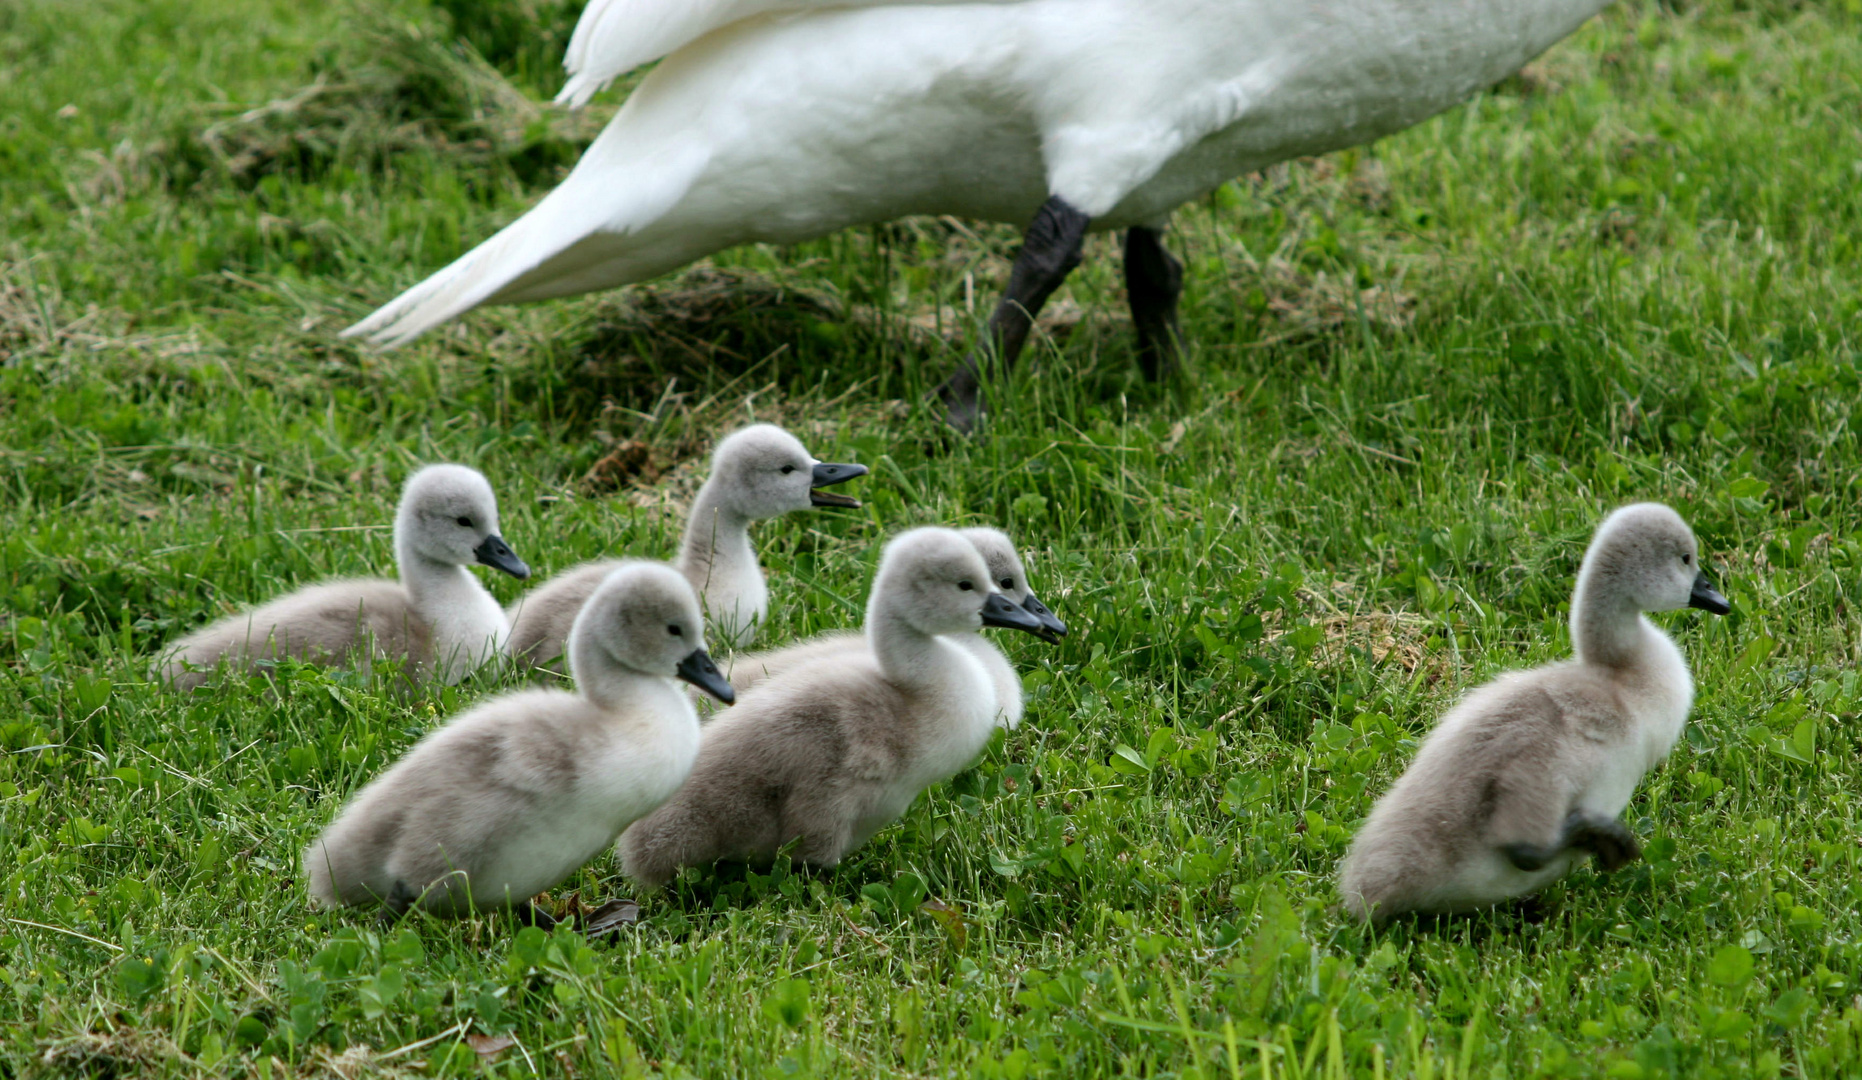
(758,472)
(1531,772)
(437,616)
(513,796)
(831,750)
(1005,569)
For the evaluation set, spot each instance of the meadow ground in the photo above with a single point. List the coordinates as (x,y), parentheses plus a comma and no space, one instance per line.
(1421,373)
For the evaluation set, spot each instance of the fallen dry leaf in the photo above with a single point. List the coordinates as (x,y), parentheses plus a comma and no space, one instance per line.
(489,1045)
(610,917)
(628,461)
(950,918)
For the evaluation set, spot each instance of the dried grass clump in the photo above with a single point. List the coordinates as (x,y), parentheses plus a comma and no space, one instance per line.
(393,88)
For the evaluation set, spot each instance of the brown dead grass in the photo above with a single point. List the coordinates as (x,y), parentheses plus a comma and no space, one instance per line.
(117,1052)
(398,86)
(36,322)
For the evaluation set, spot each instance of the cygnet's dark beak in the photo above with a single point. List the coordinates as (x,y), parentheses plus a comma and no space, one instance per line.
(1707,598)
(698,670)
(496,553)
(1052,629)
(999,610)
(828,474)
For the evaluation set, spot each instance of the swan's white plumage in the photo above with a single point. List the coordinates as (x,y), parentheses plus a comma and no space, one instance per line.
(788,125)
(613,37)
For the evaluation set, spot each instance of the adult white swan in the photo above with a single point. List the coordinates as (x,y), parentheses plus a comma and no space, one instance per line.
(781,121)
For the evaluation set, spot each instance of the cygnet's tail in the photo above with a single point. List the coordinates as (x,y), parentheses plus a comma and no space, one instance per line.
(581,237)
(344,868)
(1384,877)
(322,874)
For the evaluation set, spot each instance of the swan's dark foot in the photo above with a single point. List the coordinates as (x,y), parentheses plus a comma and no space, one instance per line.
(1609,842)
(1153,282)
(1050,250)
(962,397)
(1529,858)
(529,914)
(610,917)
(396,904)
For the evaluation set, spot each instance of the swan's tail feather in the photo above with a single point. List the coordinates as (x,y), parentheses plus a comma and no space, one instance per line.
(550,251)
(614,37)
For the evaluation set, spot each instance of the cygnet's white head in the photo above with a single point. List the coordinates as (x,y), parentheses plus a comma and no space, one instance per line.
(644,618)
(936,581)
(763,471)
(1005,569)
(1644,557)
(449,515)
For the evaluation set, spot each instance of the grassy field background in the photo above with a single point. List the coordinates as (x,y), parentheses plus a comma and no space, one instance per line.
(1421,372)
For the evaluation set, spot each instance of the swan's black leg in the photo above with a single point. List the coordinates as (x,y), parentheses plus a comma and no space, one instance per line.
(1529,857)
(529,914)
(1607,840)
(1153,281)
(396,904)
(1050,251)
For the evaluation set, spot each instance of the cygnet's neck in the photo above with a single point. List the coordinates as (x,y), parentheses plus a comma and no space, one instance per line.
(611,685)
(1607,628)
(909,657)
(467,623)
(717,536)
(716,557)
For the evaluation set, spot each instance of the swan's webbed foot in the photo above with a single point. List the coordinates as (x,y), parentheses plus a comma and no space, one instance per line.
(529,914)
(1153,282)
(396,904)
(1529,858)
(1606,840)
(1609,842)
(962,396)
(1050,250)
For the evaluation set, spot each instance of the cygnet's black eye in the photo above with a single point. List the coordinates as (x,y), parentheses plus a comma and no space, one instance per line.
(675,630)
(466,521)
(1687,560)
(787,469)
(965,586)
(1008,583)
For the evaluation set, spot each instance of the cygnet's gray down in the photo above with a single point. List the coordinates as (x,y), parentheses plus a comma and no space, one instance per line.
(513,796)
(828,752)
(1531,772)
(438,617)
(758,472)
(1005,569)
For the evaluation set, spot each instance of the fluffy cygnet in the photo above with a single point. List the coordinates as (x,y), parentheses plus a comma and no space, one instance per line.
(1005,569)
(758,472)
(512,797)
(1530,772)
(437,617)
(830,751)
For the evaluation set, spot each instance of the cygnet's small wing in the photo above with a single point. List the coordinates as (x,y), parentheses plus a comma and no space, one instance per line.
(615,36)
(541,618)
(749,669)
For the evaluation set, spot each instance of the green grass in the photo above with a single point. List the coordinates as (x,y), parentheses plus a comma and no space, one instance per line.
(1635,274)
